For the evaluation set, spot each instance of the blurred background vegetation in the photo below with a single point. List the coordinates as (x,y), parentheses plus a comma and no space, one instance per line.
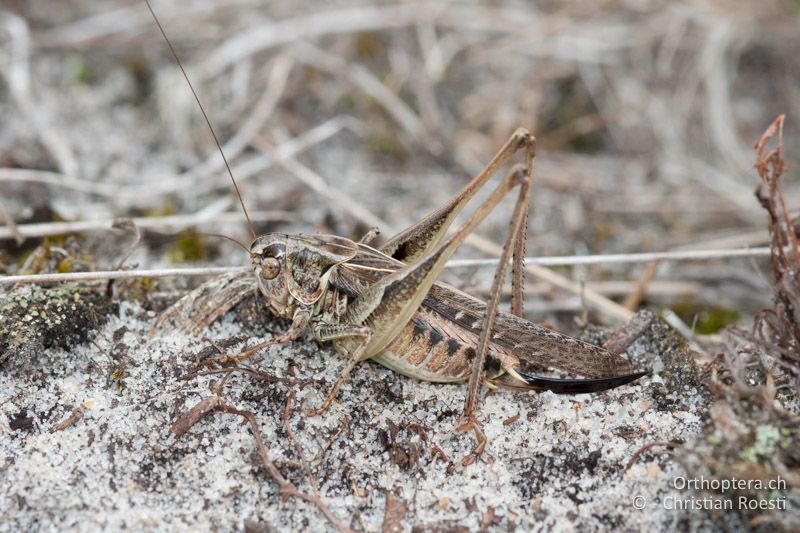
(645,114)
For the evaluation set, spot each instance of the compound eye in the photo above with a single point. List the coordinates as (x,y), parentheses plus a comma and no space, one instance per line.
(270,267)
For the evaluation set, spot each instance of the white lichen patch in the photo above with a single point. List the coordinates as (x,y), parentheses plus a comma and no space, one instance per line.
(552,463)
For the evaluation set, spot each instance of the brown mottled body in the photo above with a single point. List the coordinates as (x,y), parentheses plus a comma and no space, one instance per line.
(385,304)
(424,351)
(438,344)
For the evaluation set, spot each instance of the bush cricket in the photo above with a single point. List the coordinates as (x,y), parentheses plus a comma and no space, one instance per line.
(383,303)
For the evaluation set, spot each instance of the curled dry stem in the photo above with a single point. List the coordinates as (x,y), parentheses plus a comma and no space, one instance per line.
(287,489)
(128,225)
(667,444)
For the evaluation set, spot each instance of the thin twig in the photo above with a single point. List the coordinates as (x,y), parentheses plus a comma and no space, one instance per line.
(19,84)
(634,298)
(458,263)
(545,274)
(640,451)
(584,318)
(128,225)
(58,179)
(604,259)
(402,113)
(278,75)
(287,488)
(117,274)
(147,188)
(317,183)
(669,316)
(359,19)
(75,34)
(740,239)
(615,288)
(255,166)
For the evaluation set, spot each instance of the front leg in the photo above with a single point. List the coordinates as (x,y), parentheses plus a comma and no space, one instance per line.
(299,323)
(336,332)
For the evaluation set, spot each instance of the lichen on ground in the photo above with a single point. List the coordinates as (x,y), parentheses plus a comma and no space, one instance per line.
(33,319)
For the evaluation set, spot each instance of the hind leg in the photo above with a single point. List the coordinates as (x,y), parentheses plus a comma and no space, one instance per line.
(421,238)
(513,247)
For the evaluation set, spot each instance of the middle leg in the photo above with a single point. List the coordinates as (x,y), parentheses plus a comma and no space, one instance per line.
(339,332)
(299,322)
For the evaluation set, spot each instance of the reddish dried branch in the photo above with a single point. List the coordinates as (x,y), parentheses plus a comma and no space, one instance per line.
(777,330)
(667,444)
(770,167)
(195,414)
(286,487)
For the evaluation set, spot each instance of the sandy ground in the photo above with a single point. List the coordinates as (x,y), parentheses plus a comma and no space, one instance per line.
(553,462)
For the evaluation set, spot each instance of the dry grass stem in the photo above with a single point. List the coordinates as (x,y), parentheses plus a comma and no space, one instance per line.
(166,223)
(455,263)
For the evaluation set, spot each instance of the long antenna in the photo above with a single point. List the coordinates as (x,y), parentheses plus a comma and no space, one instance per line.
(221,236)
(208,122)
